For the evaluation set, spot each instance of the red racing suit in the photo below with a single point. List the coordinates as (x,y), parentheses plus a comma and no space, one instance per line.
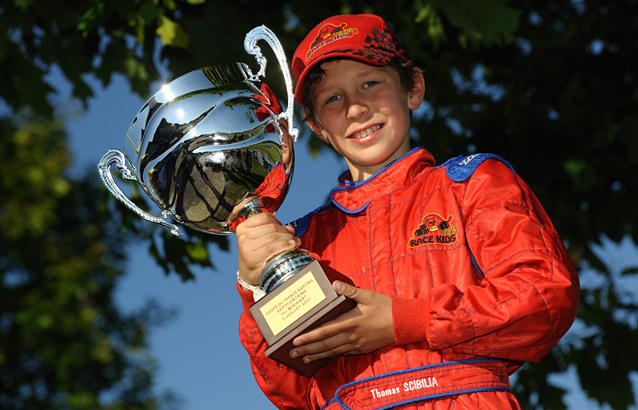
(480,282)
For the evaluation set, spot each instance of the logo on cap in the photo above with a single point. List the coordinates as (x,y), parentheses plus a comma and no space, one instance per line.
(329,33)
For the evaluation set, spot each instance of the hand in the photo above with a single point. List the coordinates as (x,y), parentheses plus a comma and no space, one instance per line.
(259,238)
(365,328)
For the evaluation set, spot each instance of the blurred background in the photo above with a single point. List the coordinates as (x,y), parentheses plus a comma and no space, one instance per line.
(100,310)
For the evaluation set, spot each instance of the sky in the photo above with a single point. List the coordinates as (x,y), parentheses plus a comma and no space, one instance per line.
(198,353)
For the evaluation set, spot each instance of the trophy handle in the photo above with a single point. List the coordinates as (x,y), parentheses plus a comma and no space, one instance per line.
(116,157)
(250,44)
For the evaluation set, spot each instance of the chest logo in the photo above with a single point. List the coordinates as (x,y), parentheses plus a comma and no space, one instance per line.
(434,229)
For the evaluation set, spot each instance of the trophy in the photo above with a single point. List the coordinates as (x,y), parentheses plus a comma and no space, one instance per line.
(212,148)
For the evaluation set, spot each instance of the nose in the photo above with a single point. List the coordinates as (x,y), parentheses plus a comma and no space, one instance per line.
(357,108)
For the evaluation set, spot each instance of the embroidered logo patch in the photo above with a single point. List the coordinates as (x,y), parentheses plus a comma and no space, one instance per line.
(434,229)
(329,33)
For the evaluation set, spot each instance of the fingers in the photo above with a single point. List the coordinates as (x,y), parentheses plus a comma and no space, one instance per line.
(365,328)
(347,290)
(259,238)
(333,338)
(336,345)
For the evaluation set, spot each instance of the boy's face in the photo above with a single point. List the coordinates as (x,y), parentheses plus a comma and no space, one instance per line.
(364,113)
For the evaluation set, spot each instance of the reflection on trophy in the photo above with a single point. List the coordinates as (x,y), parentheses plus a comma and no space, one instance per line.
(212,148)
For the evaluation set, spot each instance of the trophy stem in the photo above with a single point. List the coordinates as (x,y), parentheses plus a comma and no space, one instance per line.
(282,267)
(249,209)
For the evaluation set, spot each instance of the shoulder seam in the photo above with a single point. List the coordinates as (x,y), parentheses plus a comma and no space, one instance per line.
(461,168)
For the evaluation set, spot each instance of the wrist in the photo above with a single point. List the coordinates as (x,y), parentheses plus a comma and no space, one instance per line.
(258,293)
(244,284)
(410,320)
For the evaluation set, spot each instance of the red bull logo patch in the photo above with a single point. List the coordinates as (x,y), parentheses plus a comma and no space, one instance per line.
(329,33)
(434,229)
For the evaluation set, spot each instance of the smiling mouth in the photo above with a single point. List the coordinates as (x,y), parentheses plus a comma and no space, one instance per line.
(366,132)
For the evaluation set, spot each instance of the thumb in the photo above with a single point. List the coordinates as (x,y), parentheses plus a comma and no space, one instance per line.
(346,290)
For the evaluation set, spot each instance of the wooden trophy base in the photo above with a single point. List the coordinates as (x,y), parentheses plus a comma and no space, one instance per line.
(302,303)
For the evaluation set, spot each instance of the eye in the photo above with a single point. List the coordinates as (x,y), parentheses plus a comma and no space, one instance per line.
(370,83)
(332,98)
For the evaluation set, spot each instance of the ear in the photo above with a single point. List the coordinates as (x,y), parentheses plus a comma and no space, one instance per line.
(416,94)
(318,129)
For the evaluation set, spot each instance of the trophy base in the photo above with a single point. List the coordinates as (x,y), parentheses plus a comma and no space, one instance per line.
(280,351)
(303,302)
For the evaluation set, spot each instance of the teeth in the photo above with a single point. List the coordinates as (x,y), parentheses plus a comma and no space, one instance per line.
(367,132)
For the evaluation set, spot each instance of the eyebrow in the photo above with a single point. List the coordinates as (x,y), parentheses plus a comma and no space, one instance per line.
(369,70)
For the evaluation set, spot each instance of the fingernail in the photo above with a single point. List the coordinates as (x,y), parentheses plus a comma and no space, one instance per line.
(306,359)
(294,354)
(339,286)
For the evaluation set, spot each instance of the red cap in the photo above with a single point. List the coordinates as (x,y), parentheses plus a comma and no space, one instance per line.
(363,37)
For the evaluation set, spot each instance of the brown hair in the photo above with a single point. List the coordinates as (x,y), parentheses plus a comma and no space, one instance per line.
(406,70)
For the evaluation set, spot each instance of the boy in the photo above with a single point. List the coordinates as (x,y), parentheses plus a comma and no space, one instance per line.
(459,275)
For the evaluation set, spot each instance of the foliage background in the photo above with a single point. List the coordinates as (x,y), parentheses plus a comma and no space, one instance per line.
(549,85)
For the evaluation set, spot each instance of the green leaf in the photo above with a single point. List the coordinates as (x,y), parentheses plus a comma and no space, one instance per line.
(171,34)
(490,22)
(574,167)
(197,252)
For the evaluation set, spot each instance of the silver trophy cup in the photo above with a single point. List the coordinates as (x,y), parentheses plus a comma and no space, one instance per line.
(211,148)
